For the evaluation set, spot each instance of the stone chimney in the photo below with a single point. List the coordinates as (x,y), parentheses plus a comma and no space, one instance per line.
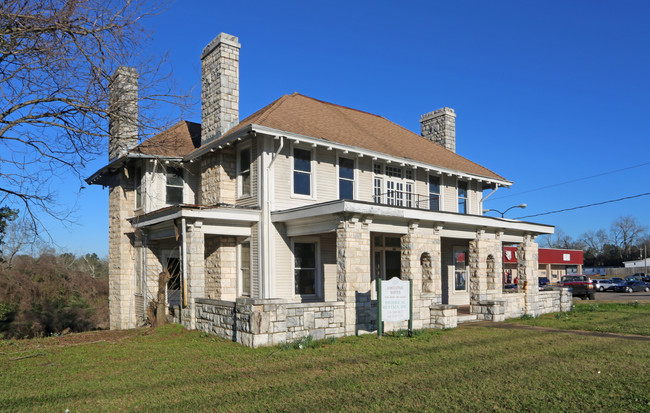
(219,86)
(439,126)
(122,111)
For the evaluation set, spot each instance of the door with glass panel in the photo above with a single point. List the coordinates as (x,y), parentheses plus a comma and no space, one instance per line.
(387,257)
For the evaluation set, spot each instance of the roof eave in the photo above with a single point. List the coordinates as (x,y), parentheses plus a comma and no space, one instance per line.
(98,178)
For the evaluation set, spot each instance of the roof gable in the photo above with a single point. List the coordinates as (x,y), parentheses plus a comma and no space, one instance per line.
(177,141)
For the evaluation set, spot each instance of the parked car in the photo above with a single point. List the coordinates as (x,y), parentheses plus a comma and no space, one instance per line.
(602,284)
(632,286)
(581,286)
(635,277)
(544,281)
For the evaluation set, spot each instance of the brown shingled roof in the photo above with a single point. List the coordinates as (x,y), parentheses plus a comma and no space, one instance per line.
(177,141)
(317,119)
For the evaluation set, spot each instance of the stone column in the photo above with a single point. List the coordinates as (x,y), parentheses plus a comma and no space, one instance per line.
(121,267)
(421,263)
(353,273)
(527,267)
(481,288)
(195,276)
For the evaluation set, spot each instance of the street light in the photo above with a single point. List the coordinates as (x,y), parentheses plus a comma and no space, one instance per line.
(504,212)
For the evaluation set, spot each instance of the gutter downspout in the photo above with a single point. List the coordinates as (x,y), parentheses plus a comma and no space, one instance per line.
(184,258)
(266,238)
(487,196)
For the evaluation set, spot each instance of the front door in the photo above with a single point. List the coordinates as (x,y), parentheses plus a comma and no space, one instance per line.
(387,256)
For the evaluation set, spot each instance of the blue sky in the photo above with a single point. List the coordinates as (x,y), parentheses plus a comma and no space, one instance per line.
(545,93)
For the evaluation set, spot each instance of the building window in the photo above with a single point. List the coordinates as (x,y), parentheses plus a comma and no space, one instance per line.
(346,178)
(245,268)
(434,193)
(462,197)
(301,172)
(174,186)
(305,268)
(138,188)
(460,269)
(244,172)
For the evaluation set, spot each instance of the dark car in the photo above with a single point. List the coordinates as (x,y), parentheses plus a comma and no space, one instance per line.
(581,286)
(544,281)
(632,286)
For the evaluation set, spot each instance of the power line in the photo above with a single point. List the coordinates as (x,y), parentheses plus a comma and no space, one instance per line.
(571,181)
(585,206)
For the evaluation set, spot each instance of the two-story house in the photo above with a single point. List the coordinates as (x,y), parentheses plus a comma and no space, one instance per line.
(278,226)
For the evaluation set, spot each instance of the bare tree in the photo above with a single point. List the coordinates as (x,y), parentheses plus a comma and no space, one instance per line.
(595,240)
(625,232)
(56,59)
(20,236)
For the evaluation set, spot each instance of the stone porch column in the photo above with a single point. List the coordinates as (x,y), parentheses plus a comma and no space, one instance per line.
(421,263)
(527,267)
(195,267)
(353,273)
(485,267)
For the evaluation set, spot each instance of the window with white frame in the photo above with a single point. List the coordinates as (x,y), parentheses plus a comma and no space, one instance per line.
(174,186)
(346,178)
(302,172)
(138,188)
(245,268)
(395,186)
(305,268)
(244,171)
(462,197)
(434,193)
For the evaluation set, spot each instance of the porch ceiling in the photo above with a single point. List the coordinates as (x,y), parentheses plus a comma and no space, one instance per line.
(324,217)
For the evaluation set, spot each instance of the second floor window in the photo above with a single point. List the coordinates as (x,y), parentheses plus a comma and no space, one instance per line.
(244,171)
(346,178)
(174,186)
(462,197)
(138,188)
(301,172)
(434,193)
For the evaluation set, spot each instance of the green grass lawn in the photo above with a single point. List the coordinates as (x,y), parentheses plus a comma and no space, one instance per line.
(465,369)
(623,318)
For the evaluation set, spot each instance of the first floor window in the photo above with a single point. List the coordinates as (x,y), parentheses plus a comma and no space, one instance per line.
(174,186)
(460,269)
(301,171)
(346,178)
(305,268)
(245,268)
(462,197)
(434,193)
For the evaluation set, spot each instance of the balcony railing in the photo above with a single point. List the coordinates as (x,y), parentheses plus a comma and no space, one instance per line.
(408,200)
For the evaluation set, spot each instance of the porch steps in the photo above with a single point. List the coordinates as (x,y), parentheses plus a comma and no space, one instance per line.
(466,318)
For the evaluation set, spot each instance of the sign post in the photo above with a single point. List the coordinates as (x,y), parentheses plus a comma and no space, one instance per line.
(394,303)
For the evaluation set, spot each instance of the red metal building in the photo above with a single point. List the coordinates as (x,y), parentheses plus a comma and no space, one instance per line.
(553,263)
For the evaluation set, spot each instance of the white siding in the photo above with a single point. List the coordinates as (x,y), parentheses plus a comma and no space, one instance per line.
(364,179)
(328,266)
(282,263)
(449,194)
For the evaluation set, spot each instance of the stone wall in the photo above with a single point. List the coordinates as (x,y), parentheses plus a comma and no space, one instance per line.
(221,268)
(218,178)
(255,323)
(121,256)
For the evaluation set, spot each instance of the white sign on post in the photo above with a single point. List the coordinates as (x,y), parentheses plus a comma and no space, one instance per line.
(395,300)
